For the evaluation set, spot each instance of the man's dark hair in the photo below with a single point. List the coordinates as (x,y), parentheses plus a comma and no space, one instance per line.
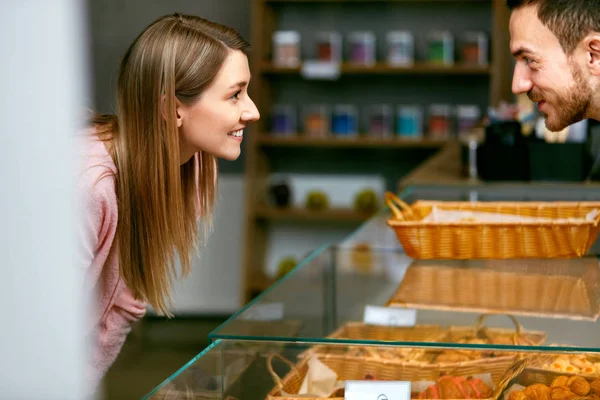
(569,20)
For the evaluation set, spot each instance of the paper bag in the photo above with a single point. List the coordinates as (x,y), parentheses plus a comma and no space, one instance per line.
(320,380)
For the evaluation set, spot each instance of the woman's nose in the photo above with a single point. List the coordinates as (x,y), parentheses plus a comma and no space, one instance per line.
(251,113)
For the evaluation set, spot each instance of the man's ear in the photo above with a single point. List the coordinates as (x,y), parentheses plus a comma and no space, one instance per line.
(178,109)
(591,45)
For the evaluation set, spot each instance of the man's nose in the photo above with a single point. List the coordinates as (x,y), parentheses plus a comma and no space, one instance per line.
(521,82)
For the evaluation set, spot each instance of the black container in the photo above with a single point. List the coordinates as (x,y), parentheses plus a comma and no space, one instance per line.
(504,155)
(558,162)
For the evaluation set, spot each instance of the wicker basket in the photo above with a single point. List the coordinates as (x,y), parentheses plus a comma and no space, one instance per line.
(493,359)
(530,376)
(499,240)
(498,336)
(564,288)
(362,331)
(539,364)
(355,369)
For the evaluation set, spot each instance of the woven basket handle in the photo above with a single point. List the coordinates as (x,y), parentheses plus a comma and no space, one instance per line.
(518,326)
(393,202)
(511,374)
(276,377)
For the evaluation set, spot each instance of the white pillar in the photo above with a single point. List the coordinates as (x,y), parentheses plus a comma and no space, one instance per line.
(43,84)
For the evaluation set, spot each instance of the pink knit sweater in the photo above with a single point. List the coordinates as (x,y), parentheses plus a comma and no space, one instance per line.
(114,308)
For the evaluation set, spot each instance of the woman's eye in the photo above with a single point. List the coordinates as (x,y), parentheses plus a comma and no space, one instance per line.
(236,95)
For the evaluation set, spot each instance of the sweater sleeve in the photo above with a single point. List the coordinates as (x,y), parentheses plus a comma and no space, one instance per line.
(114,308)
(113,330)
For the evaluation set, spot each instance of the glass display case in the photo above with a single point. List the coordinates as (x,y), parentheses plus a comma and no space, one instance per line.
(362,309)
(276,370)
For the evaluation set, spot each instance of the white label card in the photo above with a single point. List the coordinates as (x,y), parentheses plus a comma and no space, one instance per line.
(377,390)
(320,70)
(263,312)
(390,316)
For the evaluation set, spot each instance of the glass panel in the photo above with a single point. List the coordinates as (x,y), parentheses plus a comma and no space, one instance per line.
(248,370)
(334,293)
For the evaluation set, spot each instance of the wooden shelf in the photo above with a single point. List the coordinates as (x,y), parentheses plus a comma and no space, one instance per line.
(384,69)
(333,214)
(373,1)
(360,142)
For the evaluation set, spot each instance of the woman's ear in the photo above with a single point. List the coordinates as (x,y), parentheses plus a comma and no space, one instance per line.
(179,112)
(178,109)
(591,45)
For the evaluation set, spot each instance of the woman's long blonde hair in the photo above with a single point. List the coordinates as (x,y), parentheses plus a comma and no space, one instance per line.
(160,199)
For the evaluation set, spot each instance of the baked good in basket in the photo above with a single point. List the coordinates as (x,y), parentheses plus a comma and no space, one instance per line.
(561,388)
(481,334)
(572,364)
(451,387)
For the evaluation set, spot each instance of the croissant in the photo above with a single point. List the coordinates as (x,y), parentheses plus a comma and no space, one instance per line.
(537,391)
(450,387)
(453,356)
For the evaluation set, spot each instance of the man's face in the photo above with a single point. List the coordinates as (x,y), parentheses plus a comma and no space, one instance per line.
(549,77)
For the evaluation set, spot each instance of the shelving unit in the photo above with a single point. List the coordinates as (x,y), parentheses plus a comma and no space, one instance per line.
(269,85)
(339,214)
(359,142)
(382,68)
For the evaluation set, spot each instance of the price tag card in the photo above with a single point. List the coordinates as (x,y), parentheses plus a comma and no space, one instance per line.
(319,70)
(377,390)
(264,312)
(390,316)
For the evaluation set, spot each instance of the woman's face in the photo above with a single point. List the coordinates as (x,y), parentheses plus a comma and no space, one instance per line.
(215,123)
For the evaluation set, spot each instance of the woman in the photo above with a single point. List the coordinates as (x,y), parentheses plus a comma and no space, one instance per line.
(150,172)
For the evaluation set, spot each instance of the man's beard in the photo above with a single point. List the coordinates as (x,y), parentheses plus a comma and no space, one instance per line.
(573,105)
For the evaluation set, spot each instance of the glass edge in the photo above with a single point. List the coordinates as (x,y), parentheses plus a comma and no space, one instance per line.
(454,346)
(318,251)
(183,368)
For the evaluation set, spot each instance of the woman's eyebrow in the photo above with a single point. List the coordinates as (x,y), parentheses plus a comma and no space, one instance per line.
(239,84)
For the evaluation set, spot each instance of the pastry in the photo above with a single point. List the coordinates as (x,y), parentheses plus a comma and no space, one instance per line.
(573,364)
(453,356)
(580,361)
(482,391)
(579,385)
(537,391)
(517,395)
(450,387)
(595,386)
(560,381)
(561,393)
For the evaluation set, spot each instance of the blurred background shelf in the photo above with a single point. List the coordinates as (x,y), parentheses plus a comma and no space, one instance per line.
(302,214)
(384,69)
(377,1)
(259,282)
(270,233)
(359,142)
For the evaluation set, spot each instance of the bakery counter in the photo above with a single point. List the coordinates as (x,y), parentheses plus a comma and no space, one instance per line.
(277,370)
(363,310)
